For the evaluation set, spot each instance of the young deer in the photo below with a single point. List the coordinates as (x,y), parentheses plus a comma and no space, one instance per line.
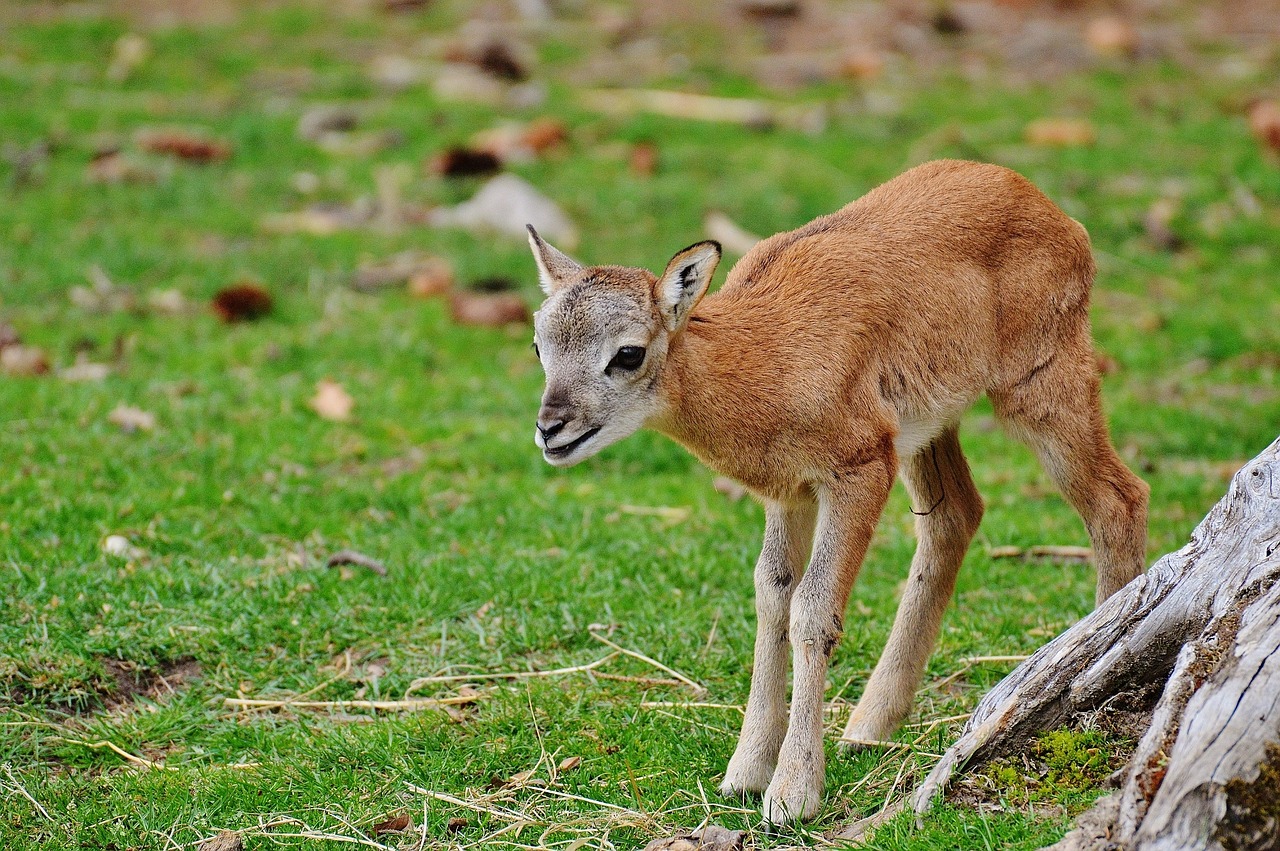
(835,356)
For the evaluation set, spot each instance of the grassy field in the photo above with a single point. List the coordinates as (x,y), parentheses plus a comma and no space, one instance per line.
(496,562)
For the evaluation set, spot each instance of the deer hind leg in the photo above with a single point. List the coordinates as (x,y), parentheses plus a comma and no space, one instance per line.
(1056,410)
(948,512)
(788,537)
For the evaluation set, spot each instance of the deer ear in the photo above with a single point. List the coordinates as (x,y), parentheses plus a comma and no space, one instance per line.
(685,282)
(554,266)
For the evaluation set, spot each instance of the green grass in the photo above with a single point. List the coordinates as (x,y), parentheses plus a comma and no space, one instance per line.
(496,561)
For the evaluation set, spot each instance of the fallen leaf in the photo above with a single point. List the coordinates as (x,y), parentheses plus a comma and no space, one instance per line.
(464,162)
(395,271)
(113,166)
(710,838)
(508,204)
(1060,132)
(131,419)
(359,559)
(456,824)
(225,841)
(319,219)
(861,64)
(432,279)
(395,824)
(543,134)
(85,370)
(331,401)
(321,121)
(242,302)
(8,335)
(1111,35)
(489,310)
(184,145)
(127,55)
(1264,121)
(724,230)
(18,359)
(498,59)
(102,296)
(1156,224)
(569,763)
(170,302)
(644,159)
(119,546)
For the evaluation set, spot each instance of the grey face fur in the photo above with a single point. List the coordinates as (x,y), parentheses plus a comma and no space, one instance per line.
(602,336)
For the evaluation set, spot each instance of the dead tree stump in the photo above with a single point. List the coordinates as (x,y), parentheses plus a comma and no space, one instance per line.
(1204,622)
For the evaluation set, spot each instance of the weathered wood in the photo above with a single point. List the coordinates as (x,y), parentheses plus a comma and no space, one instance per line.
(1205,623)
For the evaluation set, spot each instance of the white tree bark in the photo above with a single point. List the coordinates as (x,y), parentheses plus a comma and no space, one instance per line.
(1205,623)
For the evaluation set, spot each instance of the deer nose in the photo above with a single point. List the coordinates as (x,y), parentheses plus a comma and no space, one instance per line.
(551,429)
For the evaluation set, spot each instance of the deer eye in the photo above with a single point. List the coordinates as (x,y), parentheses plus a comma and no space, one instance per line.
(628,358)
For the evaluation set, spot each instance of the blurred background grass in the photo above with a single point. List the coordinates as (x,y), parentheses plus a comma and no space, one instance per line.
(229,505)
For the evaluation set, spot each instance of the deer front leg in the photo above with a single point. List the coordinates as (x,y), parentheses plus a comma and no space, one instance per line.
(788,536)
(848,509)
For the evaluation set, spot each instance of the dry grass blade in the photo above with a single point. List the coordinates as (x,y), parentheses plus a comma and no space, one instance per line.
(479,807)
(414,705)
(136,760)
(507,675)
(17,787)
(675,704)
(699,689)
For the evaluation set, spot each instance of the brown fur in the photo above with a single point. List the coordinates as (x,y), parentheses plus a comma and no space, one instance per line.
(842,353)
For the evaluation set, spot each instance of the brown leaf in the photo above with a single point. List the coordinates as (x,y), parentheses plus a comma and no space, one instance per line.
(457,824)
(1060,132)
(17,359)
(242,302)
(710,838)
(320,121)
(569,763)
(498,59)
(225,841)
(131,419)
(432,279)
(1264,121)
(464,162)
(112,166)
(644,159)
(864,64)
(1111,35)
(394,271)
(1156,224)
(543,134)
(358,559)
(85,370)
(395,824)
(490,310)
(331,401)
(184,145)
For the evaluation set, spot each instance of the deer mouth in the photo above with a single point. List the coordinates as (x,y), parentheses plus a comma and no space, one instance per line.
(560,452)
